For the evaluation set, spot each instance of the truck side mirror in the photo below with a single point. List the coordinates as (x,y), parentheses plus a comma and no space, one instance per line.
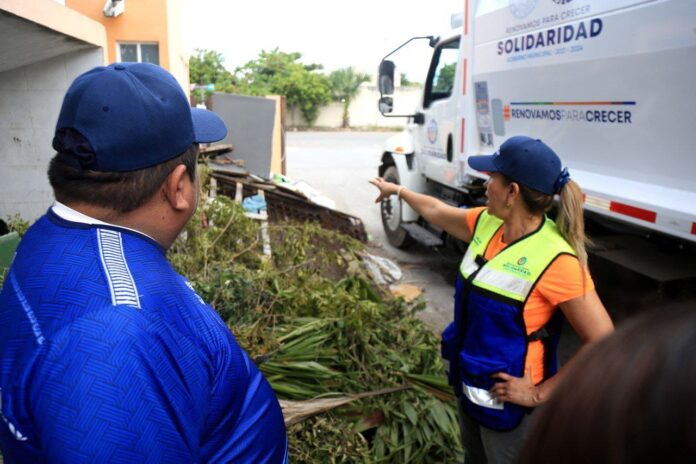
(386,105)
(386,77)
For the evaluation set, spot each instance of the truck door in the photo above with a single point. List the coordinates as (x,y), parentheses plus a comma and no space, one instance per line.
(435,138)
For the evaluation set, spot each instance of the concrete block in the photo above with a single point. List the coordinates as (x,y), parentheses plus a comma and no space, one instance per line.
(24,190)
(14,105)
(13,80)
(47,75)
(81,61)
(44,107)
(16,148)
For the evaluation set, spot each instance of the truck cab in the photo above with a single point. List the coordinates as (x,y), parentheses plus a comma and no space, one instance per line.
(426,156)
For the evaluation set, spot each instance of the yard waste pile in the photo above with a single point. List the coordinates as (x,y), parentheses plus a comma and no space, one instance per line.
(358,375)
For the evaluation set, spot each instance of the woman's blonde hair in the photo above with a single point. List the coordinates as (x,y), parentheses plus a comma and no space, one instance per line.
(570,220)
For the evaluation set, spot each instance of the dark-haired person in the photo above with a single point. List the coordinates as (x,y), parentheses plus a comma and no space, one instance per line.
(106,353)
(519,268)
(631,398)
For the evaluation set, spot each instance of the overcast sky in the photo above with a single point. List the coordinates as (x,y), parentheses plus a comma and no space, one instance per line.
(333,33)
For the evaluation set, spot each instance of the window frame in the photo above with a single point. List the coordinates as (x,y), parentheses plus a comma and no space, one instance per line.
(138,49)
(428,95)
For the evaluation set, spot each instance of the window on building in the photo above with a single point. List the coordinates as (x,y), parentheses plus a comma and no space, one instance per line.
(139,52)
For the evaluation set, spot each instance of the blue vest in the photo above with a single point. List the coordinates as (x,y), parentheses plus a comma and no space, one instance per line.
(489,334)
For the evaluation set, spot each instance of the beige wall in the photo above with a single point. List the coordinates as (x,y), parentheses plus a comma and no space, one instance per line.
(153,21)
(277,161)
(178,57)
(363,110)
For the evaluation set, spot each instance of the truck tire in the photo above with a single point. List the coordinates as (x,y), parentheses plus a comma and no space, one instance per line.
(390,209)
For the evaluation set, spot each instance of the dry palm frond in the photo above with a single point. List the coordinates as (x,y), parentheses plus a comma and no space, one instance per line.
(297,411)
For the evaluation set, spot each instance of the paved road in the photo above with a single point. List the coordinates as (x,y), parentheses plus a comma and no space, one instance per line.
(339,164)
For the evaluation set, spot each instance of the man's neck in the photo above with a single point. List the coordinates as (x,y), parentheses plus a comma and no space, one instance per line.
(145,220)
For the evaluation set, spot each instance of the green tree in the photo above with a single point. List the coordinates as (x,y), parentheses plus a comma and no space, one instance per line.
(281,73)
(406,82)
(345,84)
(206,67)
(444,81)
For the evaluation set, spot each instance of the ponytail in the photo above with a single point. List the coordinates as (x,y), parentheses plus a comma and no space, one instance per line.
(570,220)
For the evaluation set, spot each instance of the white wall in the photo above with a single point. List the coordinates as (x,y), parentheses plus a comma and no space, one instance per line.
(363,110)
(30,100)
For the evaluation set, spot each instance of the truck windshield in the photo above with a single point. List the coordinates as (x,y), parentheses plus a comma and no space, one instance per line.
(442,71)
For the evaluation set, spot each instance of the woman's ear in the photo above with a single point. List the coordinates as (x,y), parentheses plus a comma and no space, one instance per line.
(513,190)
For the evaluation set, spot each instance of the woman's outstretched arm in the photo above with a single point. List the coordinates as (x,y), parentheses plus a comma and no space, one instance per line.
(436,212)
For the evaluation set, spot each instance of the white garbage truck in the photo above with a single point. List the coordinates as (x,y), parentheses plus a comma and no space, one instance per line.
(610,85)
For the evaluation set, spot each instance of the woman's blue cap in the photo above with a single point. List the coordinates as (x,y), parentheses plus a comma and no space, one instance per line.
(527,161)
(133,115)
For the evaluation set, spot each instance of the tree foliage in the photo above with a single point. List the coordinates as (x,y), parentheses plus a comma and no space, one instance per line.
(281,73)
(444,81)
(207,67)
(345,84)
(406,82)
(274,72)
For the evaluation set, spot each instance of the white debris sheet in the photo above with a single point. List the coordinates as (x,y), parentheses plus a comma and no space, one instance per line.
(384,271)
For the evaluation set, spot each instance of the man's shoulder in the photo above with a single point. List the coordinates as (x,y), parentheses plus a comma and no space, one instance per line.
(63,274)
(45,234)
(107,322)
(96,279)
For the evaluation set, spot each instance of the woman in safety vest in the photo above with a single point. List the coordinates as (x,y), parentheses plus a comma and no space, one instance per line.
(519,268)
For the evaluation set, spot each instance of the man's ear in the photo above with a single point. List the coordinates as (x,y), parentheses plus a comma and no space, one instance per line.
(177,188)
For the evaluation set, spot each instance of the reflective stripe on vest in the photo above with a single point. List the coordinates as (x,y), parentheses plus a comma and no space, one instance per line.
(469,265)
(513,287)
(515,269)
(482,397)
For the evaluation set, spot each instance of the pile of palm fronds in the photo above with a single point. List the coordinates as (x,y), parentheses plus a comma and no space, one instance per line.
(358,375)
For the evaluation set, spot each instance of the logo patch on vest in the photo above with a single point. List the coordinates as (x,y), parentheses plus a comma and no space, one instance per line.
(518,268)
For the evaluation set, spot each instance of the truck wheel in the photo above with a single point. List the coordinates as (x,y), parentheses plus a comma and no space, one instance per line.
(391,214)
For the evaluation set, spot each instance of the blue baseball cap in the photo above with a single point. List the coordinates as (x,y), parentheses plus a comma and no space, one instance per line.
(527,161)
(133,116)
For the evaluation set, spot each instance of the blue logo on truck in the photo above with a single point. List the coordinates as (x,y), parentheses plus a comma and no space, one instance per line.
(522,8)
(554,36)
(432,131)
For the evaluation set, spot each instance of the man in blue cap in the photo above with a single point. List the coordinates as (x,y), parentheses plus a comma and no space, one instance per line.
(106,353)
